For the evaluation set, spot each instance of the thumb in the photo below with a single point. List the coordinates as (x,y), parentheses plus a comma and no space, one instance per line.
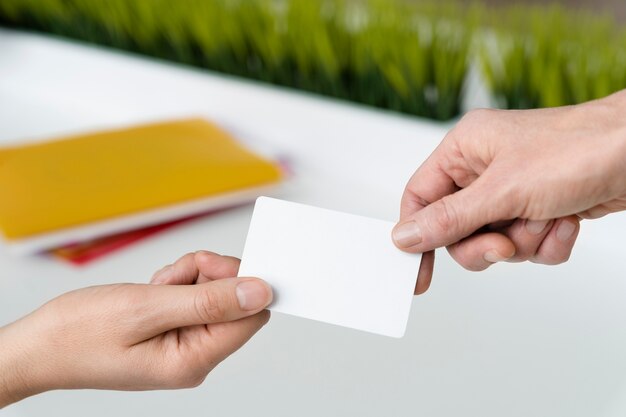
(447,220)
(229,299)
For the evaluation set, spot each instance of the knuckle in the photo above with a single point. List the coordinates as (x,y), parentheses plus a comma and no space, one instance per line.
(163,269)
(471,263)
(471,130)
(558,258)
(549,258)
(512,200)
(542,260)
(520,257)
(476,118)
(476,267)
(446,219)
(191,379)
(210,306)
(186,258)
(523,251)
(195,381)
(183,376)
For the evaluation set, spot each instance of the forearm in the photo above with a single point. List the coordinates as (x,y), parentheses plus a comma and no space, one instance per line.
(617,103)
(601,154)
(18,365)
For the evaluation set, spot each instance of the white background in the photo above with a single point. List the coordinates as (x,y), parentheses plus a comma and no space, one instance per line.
(517,340)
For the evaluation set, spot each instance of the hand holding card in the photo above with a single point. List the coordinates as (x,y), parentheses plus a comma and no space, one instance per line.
(330,266)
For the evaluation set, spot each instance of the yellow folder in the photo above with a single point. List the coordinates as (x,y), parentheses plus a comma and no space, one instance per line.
(73,181)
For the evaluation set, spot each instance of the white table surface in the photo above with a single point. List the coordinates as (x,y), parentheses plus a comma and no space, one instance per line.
(517,340)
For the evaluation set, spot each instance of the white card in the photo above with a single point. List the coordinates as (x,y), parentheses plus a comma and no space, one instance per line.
(330,266)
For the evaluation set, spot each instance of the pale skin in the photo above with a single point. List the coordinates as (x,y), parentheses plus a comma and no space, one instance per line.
(135,336)
(502,186)
(514,185)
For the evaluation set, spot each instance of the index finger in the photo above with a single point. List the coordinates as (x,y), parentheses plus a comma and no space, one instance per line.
(212,266)
(428,184)
(160,308)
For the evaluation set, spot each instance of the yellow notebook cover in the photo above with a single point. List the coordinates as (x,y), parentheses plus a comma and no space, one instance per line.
(73,181)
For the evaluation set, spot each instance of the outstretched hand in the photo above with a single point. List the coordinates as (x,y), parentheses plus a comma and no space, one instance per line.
(513,185)
(135,336)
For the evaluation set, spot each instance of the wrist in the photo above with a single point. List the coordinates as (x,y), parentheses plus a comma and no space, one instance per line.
(618,101)
(619,98)
(18,364)
(607,115)
(622,168)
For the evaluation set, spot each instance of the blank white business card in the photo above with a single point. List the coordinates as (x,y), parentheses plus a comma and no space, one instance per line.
(331,266)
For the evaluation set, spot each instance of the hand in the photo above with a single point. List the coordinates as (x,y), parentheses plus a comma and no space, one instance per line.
(513,185)
(135,336)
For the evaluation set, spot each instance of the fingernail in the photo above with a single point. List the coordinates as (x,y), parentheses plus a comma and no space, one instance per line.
(252,295)
(161,275)
(535,227)
(407,234)
(565,230)
(493,257)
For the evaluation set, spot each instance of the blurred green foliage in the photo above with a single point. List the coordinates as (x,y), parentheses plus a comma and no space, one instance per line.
(548,56)
(408,56)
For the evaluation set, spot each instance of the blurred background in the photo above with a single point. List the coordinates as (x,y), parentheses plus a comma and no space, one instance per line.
(412,56)
(345,98)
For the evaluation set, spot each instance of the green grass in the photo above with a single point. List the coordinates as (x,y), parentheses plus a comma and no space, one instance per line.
(407,56)
(546,56)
